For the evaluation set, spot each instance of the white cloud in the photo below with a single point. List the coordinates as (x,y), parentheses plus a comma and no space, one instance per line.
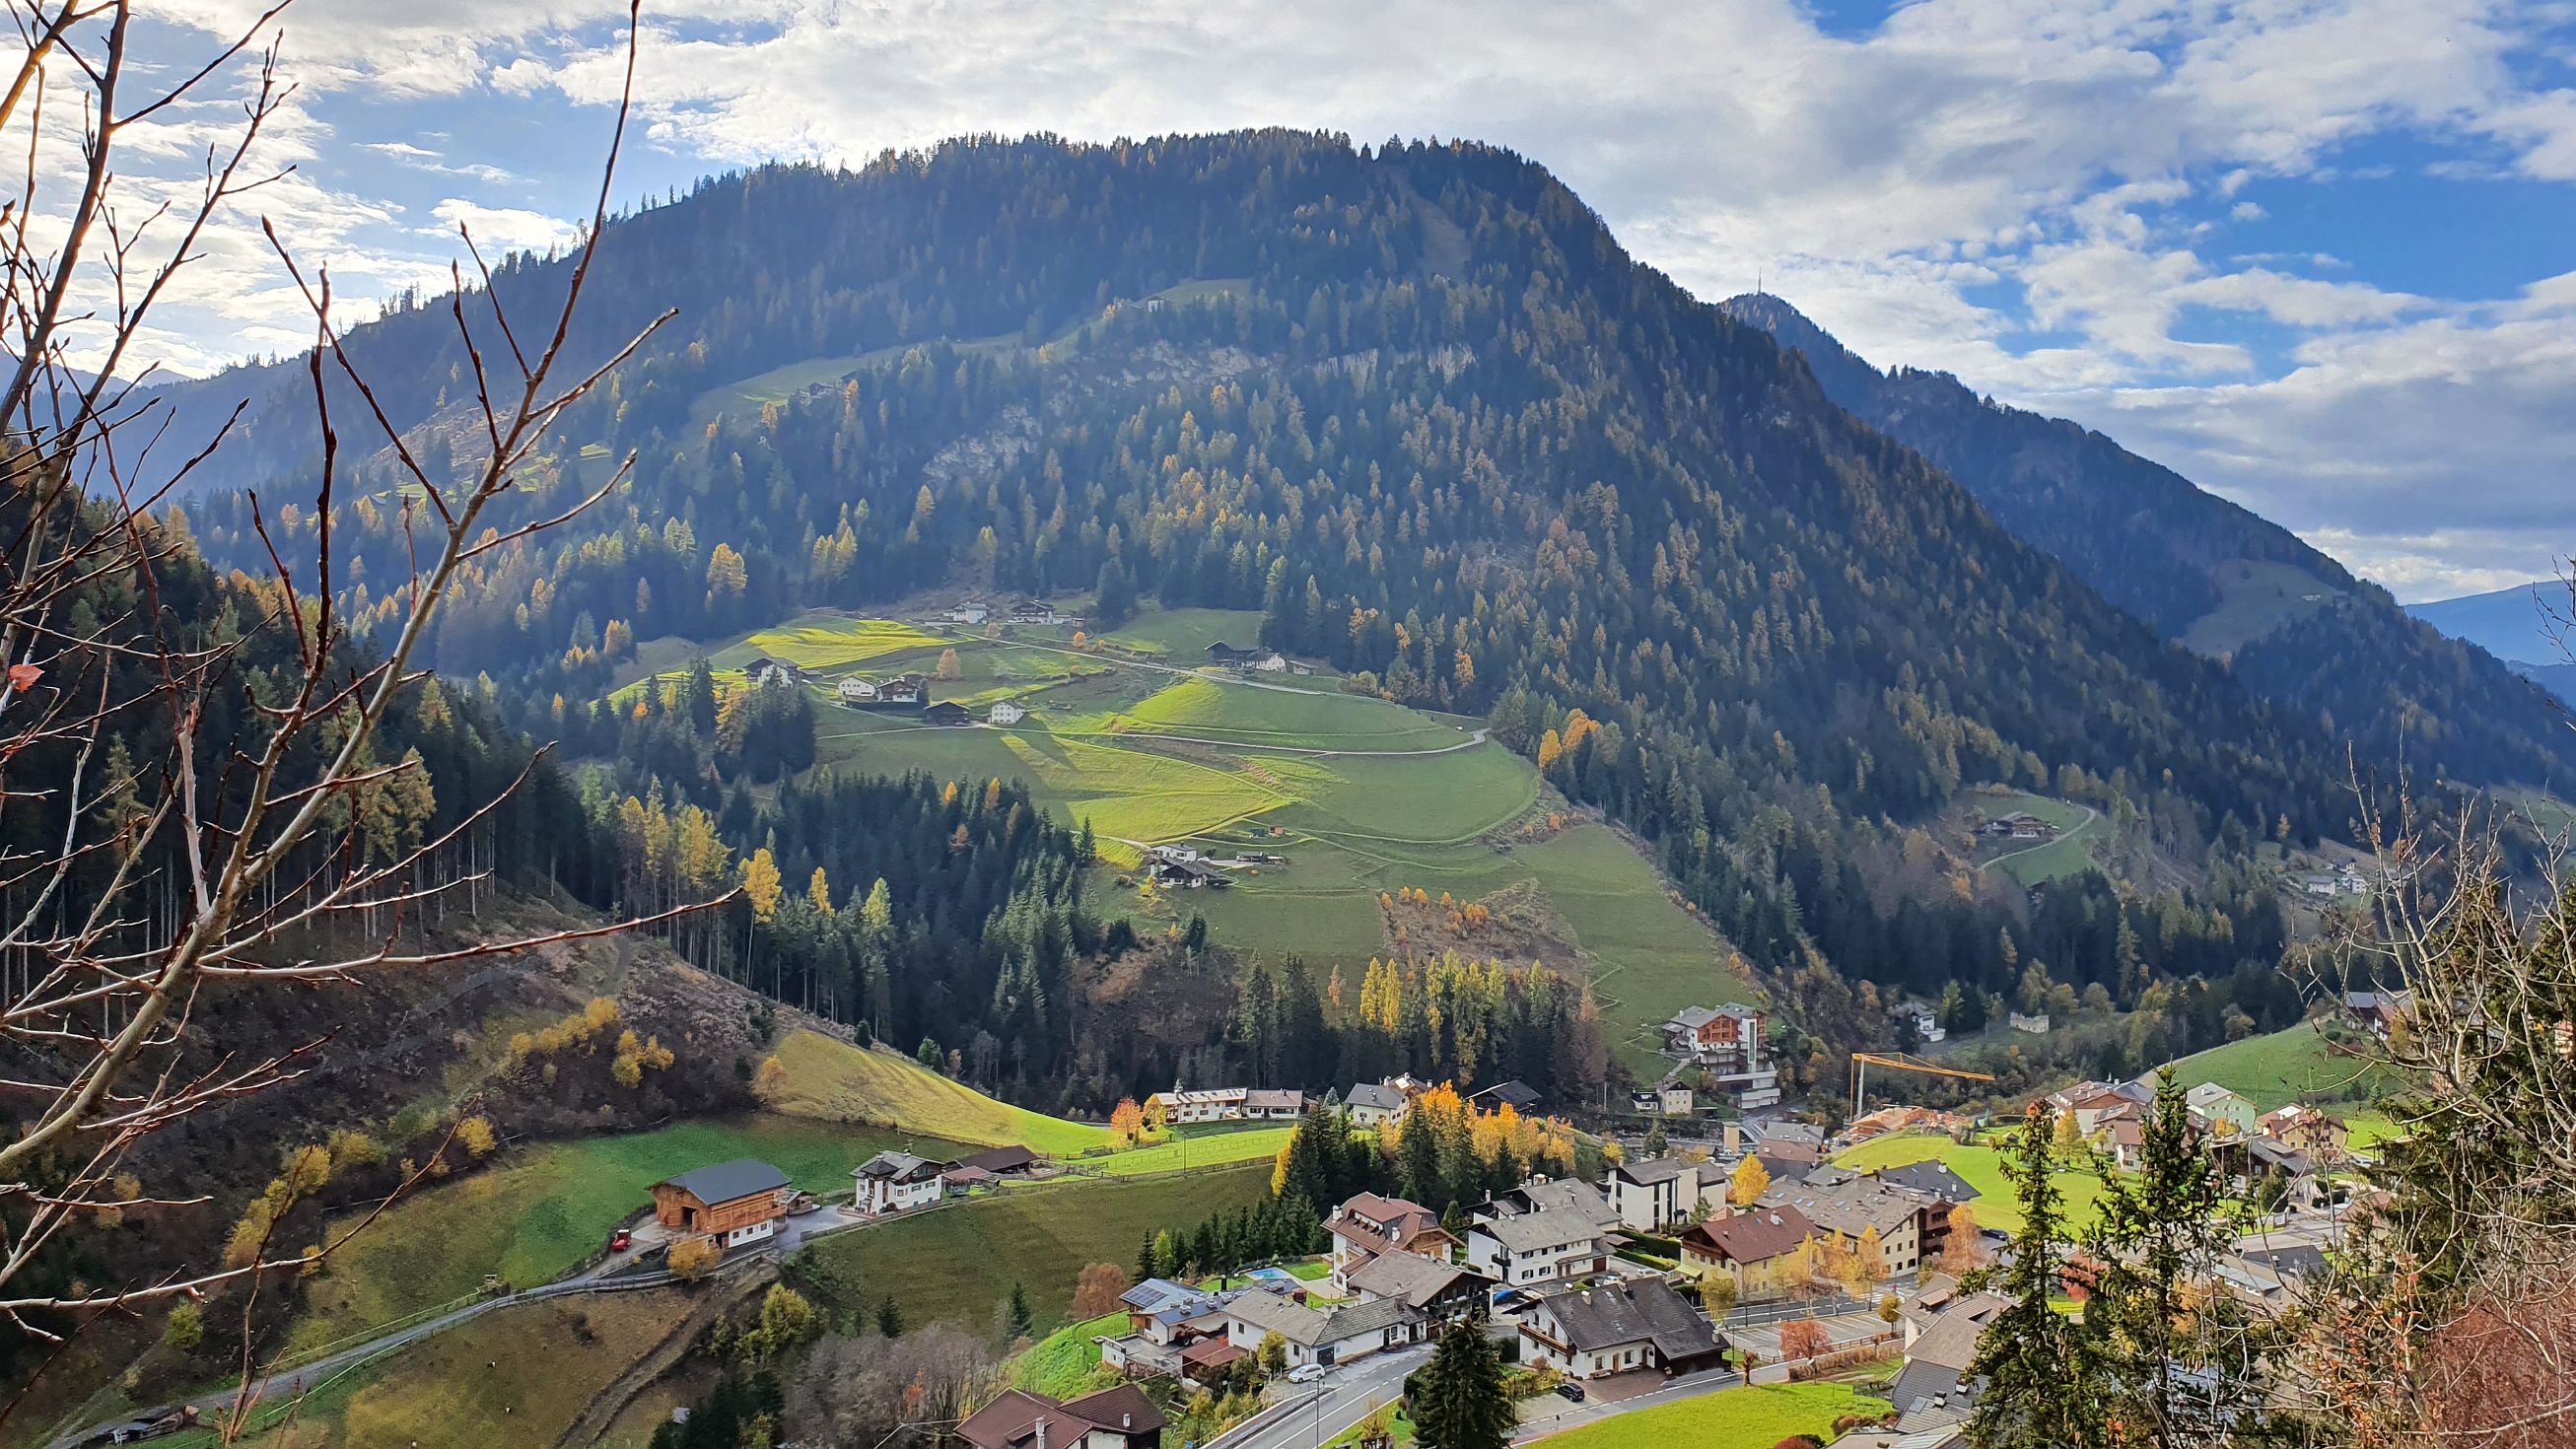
(509,228)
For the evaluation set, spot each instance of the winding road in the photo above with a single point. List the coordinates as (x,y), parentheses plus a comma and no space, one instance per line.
(2090,815)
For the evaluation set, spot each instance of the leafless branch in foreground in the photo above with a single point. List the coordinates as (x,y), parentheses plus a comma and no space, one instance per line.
(170,817)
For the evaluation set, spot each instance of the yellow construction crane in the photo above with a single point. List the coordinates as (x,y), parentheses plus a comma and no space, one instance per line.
(1863,1061)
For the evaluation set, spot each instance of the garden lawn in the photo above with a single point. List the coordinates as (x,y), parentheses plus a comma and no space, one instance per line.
(535,1213)
(957,1263)
(1745,1418)
(2286,1066)
(1982,1168)
(838,1082)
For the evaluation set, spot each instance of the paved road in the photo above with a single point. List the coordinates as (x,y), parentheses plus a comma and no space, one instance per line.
(1319,1413)
(1564,1416)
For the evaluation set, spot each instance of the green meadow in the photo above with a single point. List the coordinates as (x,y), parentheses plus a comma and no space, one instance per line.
(1362,796)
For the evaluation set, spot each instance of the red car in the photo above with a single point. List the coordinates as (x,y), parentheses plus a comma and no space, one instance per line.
(621,1240)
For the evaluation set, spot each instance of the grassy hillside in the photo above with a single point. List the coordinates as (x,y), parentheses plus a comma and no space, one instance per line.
(485,1383)
(1361,795)
(1982,1168)
(2296,1064)
(955,1264)
(837,1082)
(1746,1418)
(537,1212)
(1060,1362)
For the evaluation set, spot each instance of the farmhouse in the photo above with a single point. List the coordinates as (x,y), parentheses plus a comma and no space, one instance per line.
(1519,1096)
(2018,827)
(1215,1104)
(1004,712)
(1758,1249)
(947,712)
(1002,1161)
(1922,1020)
(1594,1332)
(968,614)
(1371,1103)
(1268,661)
(1118,1417)
(897,1181)
(1030,611)
(1186,875)
(2093,1102)
(741,1201)
(769,671)
(1541,1249)
(1650,1194)
(904,691)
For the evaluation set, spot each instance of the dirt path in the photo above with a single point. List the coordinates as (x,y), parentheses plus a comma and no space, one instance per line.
(611,1401)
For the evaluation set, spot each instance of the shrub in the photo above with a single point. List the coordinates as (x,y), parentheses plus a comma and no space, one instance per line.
(693,1258)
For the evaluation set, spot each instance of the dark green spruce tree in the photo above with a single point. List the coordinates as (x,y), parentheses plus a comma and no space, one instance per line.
(2036,1383)
(2182,1362)
(1457,1401)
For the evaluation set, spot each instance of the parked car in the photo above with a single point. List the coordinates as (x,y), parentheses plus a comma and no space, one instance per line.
(621,1240)
(1305,1373)
(1570,1391)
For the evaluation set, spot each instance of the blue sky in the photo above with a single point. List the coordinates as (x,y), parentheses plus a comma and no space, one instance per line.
(2319,255)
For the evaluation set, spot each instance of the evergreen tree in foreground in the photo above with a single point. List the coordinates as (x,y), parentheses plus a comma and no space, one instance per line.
(2038,1388)
(2179,1354)
(1458,1398)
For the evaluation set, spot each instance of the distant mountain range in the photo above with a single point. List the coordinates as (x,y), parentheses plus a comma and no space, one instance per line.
(2218,579)
(2519,625)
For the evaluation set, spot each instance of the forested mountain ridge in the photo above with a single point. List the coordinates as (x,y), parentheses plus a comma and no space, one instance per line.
(2290,621)
(1419,407)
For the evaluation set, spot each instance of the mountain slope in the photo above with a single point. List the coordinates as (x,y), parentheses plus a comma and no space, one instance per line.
(1420,409)
(2290,621)
(2518,623)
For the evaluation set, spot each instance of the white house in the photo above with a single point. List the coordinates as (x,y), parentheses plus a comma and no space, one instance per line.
(1315,1336)
(893,1182)
(1371,1103)
(1216,1104)
(969,614)
(1006,713)
(854,690)
(1925,1020)
(1538,1249)
(1619,1328)
(1653,1194)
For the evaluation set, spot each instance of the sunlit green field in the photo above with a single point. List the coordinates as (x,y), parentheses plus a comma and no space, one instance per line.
(1361,795)
(1982,1168)
(2294,1064)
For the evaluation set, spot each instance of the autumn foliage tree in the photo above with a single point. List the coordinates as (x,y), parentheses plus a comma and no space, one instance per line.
(1099,1290)
(1127,1120)
(1803,1338)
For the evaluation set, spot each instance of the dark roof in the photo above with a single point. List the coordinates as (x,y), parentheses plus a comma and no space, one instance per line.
(1001,1159)
(1416,1281)
(1652,1170)
(2293,1261)
(899,1166)
(1647,1310)
(1372,1094)
(1754,1237)
(730,1181)
(1011,1419)
(1935,1178)
(1519,1096)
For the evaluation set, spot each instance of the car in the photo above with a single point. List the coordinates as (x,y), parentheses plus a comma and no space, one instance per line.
(1570,1391)
(1305,1373)
(621,1240)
